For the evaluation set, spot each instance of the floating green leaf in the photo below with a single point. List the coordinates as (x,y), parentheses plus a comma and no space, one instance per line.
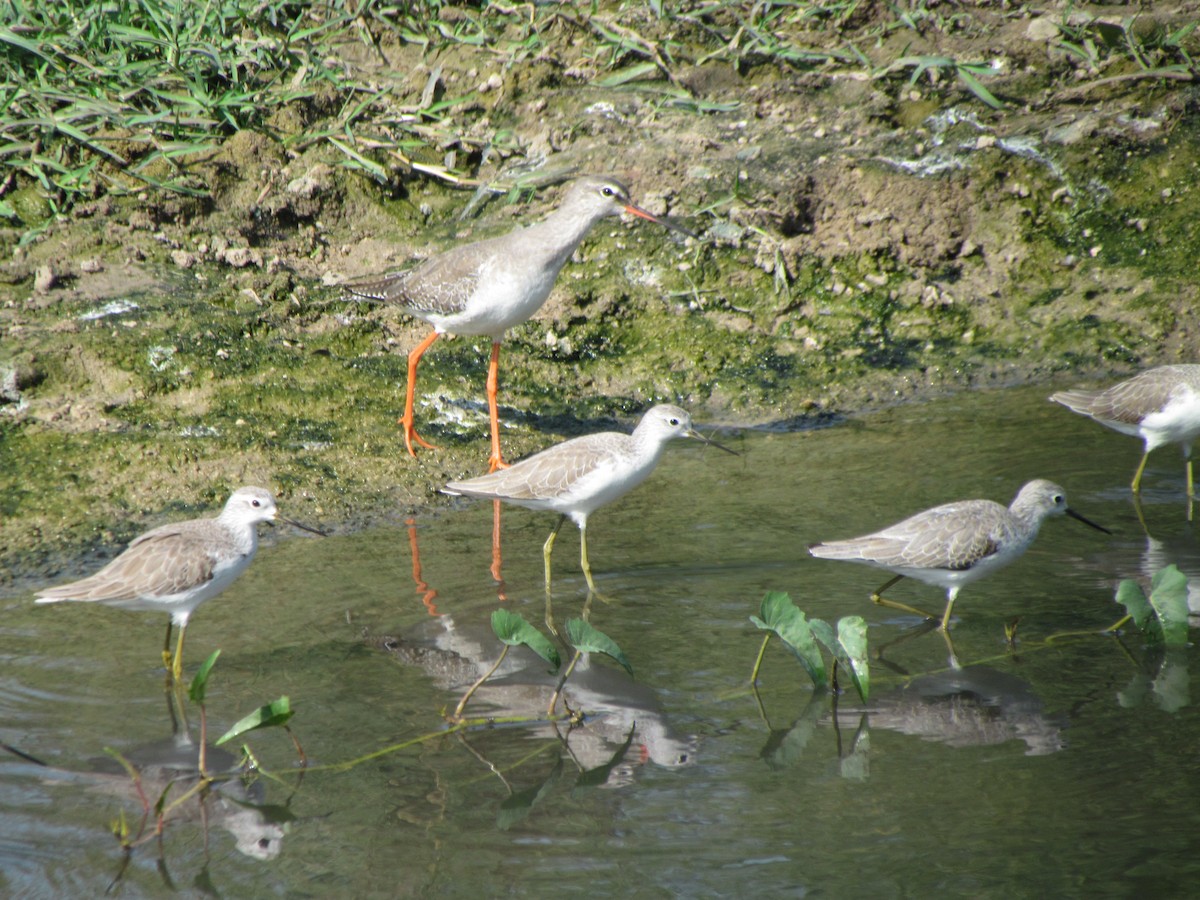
(586,639)
(269,715)
(1168,597)
(515,631)
(199,685)
(779,615)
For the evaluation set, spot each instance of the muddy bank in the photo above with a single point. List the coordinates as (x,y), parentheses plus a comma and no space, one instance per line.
(864,240)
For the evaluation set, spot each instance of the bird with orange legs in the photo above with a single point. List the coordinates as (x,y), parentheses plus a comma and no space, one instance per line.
(487,287)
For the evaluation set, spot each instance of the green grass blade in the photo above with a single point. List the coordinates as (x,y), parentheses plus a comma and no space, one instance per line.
(199,685)
(975,86)
(270,715)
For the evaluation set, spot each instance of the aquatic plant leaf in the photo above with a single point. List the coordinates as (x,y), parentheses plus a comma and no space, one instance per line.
(1171,684)
(1168,596)
(586,639)
(785,747)
(1133,598)
(848,646)
(780,616)
(515,631)
(517,806)
(199,685)
(852,638)
(269,715)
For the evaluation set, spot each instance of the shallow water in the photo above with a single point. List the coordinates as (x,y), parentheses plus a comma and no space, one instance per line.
(1077,776)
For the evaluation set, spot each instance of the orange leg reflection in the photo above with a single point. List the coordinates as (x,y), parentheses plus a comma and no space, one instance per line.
(426,592)
(496,576)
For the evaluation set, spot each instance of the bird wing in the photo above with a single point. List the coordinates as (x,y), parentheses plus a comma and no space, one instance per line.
(440,286)
(548,475)
(160,563)
(1126,403)
(945,537)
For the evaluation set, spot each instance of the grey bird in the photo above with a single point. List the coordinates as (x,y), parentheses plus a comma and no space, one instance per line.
(950,546)
(174,568)
(487,287)
(577,477)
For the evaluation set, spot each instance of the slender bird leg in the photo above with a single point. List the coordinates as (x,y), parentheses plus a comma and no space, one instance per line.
(583,559)
(1137,507)
(428,594)
(177,665)
(953,658)
(587,569)
(951,597)
(1191,485)
(167,646)
(410,431)
(879,600)
(493,384)
(548,547)
(1137,476)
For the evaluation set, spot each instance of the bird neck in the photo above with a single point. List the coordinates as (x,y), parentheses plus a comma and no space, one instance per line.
(1029,514)
(564,230)
(244,533)
(648,444)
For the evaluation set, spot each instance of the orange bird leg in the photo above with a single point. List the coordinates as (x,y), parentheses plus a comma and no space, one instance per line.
(493,381)
(496,575)
(410,431)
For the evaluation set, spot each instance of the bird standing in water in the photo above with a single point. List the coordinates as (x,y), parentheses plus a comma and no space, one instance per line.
(950,546)
(174,568)
(577,477)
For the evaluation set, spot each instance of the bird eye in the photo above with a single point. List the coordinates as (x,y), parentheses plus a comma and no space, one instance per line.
(674,420)
(1059,499)
(256,503)
(607,191)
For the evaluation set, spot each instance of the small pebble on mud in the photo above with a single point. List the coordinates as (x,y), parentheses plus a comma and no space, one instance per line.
(44,280)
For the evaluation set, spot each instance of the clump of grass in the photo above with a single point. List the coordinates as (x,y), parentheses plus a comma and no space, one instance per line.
(97,95)
(108,96)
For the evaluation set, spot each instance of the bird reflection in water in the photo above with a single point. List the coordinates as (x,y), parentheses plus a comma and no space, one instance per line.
(454,655)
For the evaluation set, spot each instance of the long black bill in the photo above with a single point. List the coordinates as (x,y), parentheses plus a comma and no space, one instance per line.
(1075,515)
(698,436)
(296,524)
(665,223)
